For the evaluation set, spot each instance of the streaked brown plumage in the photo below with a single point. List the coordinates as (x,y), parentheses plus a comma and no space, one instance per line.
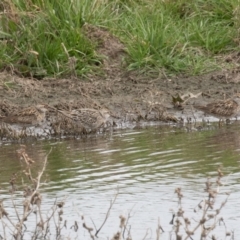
(222,109)
(28,116)
(89,118)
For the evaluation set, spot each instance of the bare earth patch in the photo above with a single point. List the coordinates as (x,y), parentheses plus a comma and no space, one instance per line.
(128,95)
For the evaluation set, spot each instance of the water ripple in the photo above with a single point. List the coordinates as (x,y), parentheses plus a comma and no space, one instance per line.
(145,165)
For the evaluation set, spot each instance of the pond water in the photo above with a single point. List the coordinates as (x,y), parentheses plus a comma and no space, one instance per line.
(144,166)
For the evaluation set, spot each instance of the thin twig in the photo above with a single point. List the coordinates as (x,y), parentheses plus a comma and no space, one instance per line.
(107,215)
(25,215)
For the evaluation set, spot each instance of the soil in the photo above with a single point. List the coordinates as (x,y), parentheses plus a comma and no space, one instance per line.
(129,95)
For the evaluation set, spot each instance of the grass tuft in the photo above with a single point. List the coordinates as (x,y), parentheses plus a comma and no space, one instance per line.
(178,36)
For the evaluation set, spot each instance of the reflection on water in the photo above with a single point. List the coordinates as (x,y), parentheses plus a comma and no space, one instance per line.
(146,165)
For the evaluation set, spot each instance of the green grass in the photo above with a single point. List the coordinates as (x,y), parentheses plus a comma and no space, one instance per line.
(177,36)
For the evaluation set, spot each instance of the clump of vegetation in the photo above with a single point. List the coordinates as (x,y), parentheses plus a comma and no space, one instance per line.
(44,37)
(39,38)
(210,219)
(29,219)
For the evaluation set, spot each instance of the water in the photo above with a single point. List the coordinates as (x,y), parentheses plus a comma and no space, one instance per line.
(144,166)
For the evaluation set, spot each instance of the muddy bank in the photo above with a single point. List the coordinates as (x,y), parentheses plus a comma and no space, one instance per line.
(130,96)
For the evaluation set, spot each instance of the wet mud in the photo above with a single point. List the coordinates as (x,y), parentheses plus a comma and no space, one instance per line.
(130,96)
